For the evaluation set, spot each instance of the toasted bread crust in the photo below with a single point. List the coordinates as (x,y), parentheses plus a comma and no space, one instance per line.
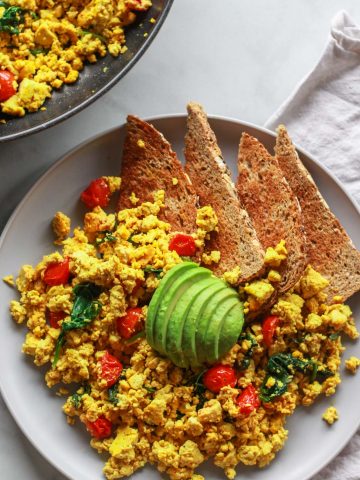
(149,164)
(272,206)
(329,248)
(236,239)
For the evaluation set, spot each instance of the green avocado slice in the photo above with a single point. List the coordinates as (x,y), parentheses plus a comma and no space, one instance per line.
(174,348)
(169,300)
(165,283)
(210,340)
(192,322)
(208,315)
(230,329)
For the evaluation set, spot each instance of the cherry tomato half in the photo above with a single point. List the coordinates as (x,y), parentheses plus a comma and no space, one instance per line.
(96,194)
(183,244)
(110,369)
(101,428)
(218,377)
(131,323)
(57,273)
(248,400)
(55,317)
(7,89)
(268,329)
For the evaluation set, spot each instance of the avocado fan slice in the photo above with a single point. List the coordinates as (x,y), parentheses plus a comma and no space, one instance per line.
(179,315)
(210,339)
(165,283)
(207,317)
(230,329)
(192,322)
(168,303)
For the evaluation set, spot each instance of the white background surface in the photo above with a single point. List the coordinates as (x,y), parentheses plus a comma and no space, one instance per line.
(240,58)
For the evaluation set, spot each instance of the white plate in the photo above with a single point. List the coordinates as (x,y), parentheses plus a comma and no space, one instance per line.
(28,236)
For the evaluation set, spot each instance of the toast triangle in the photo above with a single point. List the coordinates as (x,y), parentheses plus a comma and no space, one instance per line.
(329,248)
(236,238)
(149,164)
(272,206)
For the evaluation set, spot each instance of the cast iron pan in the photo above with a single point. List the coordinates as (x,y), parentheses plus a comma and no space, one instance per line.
(94,80)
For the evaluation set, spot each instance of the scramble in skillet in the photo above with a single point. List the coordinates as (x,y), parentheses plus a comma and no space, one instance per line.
(86,310)
(45,44)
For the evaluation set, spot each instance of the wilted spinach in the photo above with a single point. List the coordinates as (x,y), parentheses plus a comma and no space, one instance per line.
(85,309)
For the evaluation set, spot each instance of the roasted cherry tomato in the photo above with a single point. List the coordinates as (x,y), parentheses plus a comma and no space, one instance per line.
(131,323)
(101,428)
(248,400)
(218,377)
(97,194)
(55,317)
(57,273)
(183,244)
(110,369)
(7,89)
(268,329)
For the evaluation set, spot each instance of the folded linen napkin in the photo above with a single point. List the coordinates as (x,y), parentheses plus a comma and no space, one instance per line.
(323,116)
(323,113)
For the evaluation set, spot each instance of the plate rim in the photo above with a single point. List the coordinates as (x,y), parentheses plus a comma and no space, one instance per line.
(94,138)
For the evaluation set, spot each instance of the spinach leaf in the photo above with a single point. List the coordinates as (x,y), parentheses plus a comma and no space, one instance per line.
(280,371)
(247,357)
(199,388)
(37,51)
(76,397)
(11,19)
(150,389)
(156,271)
(108,237)
(95,35)
(112,393)
(334,336)
(86,307)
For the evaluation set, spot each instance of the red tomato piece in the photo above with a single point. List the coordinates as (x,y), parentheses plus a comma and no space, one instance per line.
(55,317)
(183,244)
(218,377)
(96,194)
(7,89)
(57,273)
(248,400)
(110,368)
(131,323)
(268,329)
(101,428)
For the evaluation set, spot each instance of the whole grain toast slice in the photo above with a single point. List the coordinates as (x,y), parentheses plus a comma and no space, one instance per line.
(272,206)
(329,248)
(149,164)
(236,238)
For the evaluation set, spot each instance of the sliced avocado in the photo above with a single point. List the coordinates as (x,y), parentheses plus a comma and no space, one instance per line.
(209,343)
(230,329)
(174,348)
(169,300)
(165,283)
(207,317)
(187,338)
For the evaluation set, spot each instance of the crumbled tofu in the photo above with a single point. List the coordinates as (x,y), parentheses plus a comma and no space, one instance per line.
(61,224)
(9,279)
(331,415)
(352,364)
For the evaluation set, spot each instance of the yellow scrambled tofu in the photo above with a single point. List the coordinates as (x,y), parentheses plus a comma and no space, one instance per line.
(48,43)
(155,412)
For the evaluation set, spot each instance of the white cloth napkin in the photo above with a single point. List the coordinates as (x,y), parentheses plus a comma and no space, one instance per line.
(323,116)
(323,113)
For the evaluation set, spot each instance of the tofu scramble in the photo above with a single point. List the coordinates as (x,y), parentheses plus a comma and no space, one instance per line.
(85,309)
(45,44)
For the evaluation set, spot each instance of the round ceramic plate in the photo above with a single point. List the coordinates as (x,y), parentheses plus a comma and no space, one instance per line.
(28,236)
